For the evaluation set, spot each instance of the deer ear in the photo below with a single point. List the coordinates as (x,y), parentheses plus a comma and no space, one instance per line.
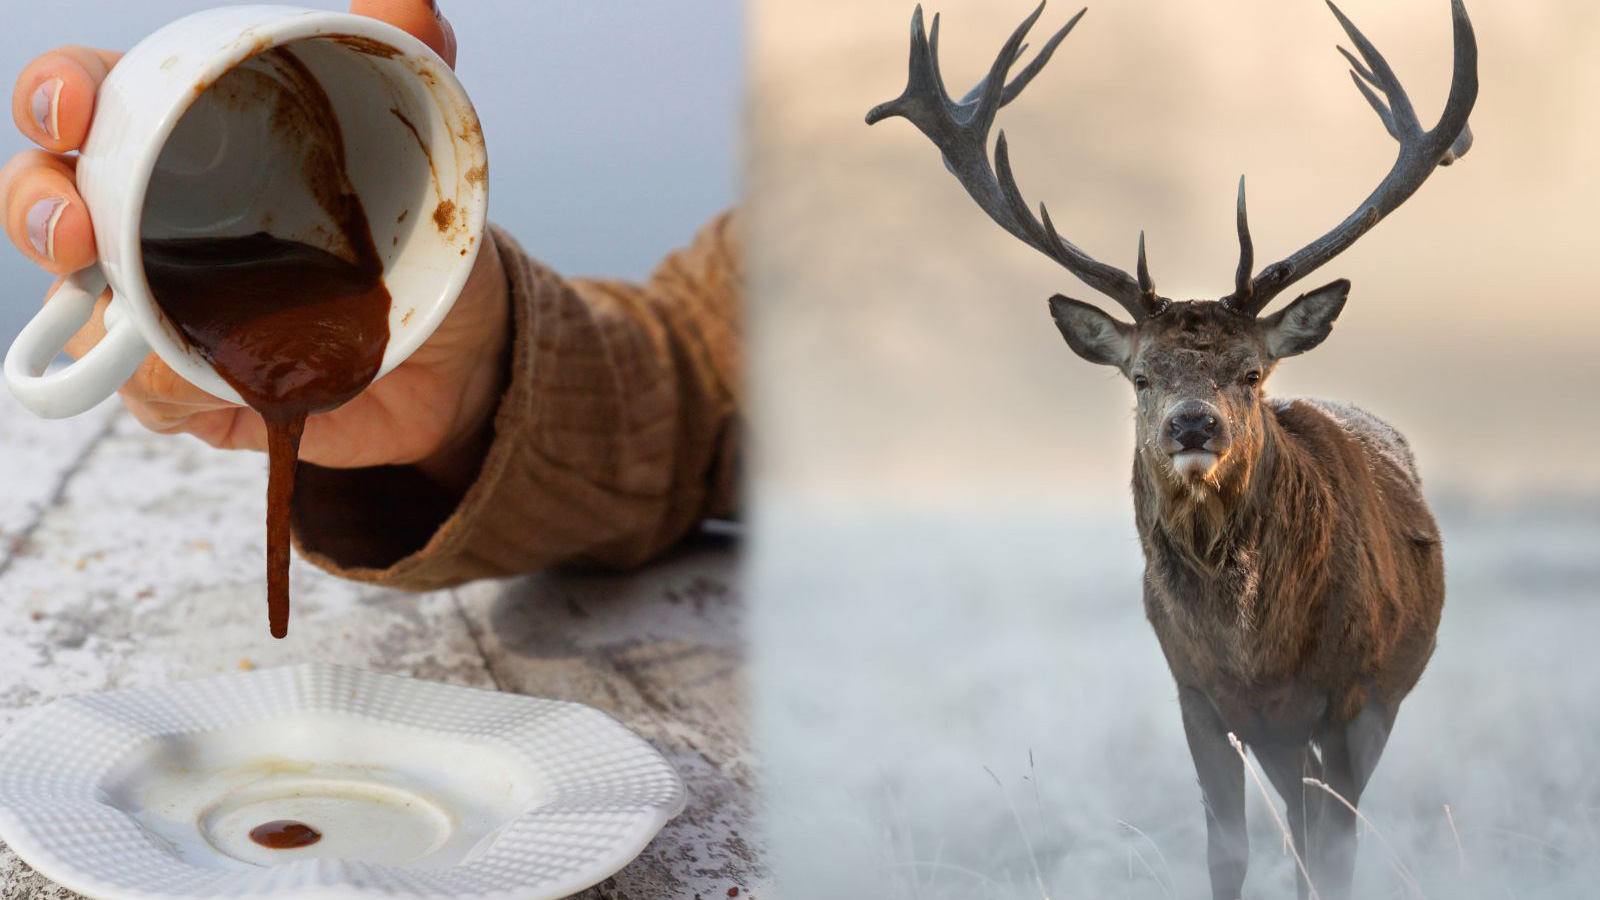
(1091,333)
(1304,323)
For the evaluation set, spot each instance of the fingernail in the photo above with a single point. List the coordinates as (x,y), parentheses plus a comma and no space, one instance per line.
(41,221)
(45,105)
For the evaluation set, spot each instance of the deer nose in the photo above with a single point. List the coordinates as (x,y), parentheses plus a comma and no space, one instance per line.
(1192,426)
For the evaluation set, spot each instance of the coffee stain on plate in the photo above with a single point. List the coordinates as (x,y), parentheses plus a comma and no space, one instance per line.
(285,834)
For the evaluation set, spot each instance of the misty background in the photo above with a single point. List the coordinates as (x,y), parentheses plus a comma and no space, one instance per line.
(613,128)
(959,694)
(900,317)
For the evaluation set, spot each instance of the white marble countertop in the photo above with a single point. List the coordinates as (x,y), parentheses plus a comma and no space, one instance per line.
(128,558)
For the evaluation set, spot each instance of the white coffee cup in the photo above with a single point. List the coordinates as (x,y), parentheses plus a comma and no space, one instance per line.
(178,149)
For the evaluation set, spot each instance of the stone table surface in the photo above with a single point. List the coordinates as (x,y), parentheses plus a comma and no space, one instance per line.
(128,559)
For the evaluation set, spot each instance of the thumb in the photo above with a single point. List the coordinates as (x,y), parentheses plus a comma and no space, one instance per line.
(419,18)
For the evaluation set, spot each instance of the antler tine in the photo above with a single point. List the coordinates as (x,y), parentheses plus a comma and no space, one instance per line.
(1420,153)
(1381,76)
(1146,286)
(1247,253)
(922,82)
(1108,280)
(933,56)
(1039,59)
(960,130)
(1363,80)
(1463,87)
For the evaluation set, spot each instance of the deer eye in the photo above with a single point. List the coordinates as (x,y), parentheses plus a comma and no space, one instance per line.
(1252,378)
(1140,382)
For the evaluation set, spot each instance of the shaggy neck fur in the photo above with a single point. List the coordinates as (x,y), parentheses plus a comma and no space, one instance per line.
(1204,521)
(1264,528)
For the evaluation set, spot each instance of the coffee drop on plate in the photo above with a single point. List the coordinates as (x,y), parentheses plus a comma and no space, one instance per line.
(285,834)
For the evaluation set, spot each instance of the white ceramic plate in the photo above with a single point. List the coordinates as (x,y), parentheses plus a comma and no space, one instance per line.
(419,790)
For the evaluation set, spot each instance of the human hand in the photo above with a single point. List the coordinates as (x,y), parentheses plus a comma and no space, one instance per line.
(431,411)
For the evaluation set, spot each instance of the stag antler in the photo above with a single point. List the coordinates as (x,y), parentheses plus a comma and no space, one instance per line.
(1420,153)
(961,132)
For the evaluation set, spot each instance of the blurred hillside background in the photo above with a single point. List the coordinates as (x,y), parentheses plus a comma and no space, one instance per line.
(960,696)
(612,128)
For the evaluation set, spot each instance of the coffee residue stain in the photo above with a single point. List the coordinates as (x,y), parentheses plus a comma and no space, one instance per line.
(403,214)
(478,174)
(365,45)
(411,126)
(433,171)
(471,129)
(257,45)
(444,215)
(305,117)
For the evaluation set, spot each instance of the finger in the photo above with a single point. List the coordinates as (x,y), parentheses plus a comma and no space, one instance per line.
(419,18)
(217,427)
(160,421)
(156,384)
(44,216)
(53,100)
(234,428)
(244,429)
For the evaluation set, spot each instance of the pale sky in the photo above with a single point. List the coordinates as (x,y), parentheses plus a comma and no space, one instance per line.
(612,127)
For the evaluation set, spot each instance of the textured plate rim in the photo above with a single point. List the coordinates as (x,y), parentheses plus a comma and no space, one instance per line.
(23,841)
(64,874)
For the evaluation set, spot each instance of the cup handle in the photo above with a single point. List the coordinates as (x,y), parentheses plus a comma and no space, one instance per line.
(80,385)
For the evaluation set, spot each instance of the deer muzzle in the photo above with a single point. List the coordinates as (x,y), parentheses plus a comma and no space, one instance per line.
(1195,437)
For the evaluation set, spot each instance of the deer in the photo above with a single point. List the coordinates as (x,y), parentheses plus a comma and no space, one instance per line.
(1293,572)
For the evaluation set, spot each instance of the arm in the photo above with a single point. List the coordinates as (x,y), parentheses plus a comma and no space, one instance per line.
(616,434)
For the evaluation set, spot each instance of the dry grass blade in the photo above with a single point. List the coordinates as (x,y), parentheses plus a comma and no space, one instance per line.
(1394,855)
(1033,857)
(1461,853)
(1133,853)
(1272,807)
(936,865)
(1167,882)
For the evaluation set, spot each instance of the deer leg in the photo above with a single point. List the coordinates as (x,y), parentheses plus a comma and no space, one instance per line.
(1350,753)
(1287,767)
(1221,774)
